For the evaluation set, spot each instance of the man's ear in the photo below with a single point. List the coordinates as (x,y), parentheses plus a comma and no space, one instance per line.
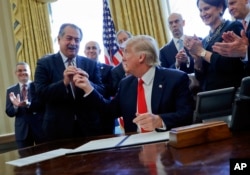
(142,57)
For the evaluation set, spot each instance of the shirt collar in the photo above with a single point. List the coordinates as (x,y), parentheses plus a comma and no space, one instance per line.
(177,39)
(65,59)
(21,84)
(149,76)
(247,18)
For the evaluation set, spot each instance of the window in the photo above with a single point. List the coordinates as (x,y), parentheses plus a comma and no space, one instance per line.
(190,13)
(86,14)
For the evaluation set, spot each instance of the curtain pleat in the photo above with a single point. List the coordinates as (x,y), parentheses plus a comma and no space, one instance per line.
(33,34)
(141,17)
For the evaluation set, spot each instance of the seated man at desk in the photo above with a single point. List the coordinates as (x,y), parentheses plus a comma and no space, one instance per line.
(149,98)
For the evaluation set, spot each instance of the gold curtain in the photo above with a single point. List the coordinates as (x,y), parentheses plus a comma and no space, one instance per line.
(32,33)
(141,17)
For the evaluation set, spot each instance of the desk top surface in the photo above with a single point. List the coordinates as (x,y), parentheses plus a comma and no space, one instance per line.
(157,158)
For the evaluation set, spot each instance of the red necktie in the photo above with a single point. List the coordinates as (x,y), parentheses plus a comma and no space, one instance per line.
(152,168)
(24,92)
(141,100)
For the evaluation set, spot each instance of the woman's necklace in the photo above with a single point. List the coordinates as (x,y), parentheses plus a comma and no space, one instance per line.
(214,34)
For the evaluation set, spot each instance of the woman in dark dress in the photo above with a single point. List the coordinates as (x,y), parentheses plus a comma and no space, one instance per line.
(214,71)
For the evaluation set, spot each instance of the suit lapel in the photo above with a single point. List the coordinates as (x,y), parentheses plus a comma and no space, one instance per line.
(158,87)
(173,51)
(58,64)
(17,90)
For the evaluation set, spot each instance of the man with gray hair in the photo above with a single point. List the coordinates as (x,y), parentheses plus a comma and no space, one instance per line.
(23,103)
(234,45)
(149,98)
(66,114)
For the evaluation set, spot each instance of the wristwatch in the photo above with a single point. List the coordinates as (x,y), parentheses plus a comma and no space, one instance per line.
(203,53)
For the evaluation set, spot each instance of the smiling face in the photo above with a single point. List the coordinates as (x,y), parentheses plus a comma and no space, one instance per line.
(210,15)
(92,50)
(23,73)
(69,42)
(238,8)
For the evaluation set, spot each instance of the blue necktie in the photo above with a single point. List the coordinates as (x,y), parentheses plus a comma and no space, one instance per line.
(180,42)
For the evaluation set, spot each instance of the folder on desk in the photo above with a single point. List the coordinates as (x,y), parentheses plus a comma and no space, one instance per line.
(121,141)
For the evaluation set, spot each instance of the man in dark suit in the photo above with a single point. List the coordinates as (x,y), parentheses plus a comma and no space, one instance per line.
(168,98)
(22,103)
(118,72)
(173,54)
(234,45)
(67,115)
(92,51)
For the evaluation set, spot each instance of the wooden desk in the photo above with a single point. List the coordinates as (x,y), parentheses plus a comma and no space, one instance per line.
(206,159)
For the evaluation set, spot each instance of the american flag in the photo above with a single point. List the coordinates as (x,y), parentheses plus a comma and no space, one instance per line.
(112,53)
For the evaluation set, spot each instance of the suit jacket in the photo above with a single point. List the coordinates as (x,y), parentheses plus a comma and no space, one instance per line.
(108,124)
(26,119)
(118,74)
(171,99)
(247,64)
(62,109)
(167,58)
(222,71)
(106,77)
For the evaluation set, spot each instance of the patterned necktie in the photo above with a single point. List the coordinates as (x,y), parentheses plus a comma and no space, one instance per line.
(24,92)
(141,100)
(70,62)
(72,86)
(244,23)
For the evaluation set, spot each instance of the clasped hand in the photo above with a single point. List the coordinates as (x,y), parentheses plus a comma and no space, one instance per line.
(232,45)
(16,100)
(70,72)
(194,45)
(81,80)
(181,57)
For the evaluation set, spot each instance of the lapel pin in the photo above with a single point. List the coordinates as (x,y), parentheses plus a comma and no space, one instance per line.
(160,86)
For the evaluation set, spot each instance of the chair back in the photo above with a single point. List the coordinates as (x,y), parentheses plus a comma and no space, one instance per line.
(214,105)
(241,108)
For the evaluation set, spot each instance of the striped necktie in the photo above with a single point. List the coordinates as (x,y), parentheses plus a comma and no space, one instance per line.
(244,23)
(24,92)
(72,86)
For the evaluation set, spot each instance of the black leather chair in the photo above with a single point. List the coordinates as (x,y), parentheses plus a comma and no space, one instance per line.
(241,108)
(214,105)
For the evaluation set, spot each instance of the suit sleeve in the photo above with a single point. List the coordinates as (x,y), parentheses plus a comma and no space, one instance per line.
(9,110)
(163,58)
(184,104)
(95,78)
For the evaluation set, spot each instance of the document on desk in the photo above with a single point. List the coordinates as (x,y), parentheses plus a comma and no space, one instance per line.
(147,137)
(38,157)
(100,144)
(121,141)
